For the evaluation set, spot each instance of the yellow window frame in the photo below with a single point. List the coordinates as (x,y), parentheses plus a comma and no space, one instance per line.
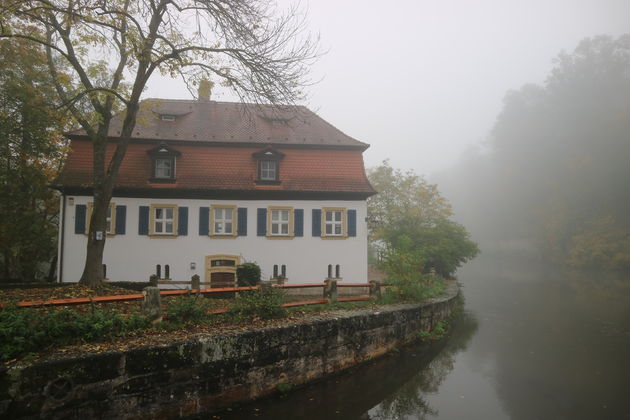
(291,232)
(344,223)
(211,231)
(152,232)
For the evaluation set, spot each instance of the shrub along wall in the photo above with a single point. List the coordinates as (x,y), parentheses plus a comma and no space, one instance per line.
(207,373)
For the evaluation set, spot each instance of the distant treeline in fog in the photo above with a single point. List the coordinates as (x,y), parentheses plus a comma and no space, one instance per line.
(555,175)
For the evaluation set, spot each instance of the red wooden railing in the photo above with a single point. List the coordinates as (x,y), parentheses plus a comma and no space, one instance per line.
(140,296)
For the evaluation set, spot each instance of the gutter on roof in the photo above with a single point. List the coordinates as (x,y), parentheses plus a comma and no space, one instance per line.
(194,193)
(363,146)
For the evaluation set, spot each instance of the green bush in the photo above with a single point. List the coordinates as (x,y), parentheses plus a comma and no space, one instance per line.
(248,274)
(24,330)
(264,304)
(188,309)
(417,289)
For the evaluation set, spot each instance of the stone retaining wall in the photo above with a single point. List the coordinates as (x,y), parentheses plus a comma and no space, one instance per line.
(207,373)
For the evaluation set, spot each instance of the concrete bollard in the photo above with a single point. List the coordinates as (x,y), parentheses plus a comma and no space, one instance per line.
(330,290)
(195,282)
(375,288)
(151,303)
(153,279)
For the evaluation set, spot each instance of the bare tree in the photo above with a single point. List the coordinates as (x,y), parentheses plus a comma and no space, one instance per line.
(103,52)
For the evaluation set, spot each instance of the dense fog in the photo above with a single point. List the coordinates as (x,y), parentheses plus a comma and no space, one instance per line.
(552,178)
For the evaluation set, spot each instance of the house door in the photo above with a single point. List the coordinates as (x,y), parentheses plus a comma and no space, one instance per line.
(221,270)
(222,280)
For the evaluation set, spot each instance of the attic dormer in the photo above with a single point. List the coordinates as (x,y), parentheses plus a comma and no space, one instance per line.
(268,166)
(163,163)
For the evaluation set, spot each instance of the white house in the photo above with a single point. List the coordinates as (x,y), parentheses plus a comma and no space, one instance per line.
(207,185)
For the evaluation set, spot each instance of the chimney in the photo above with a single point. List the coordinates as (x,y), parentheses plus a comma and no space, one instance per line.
(203,93)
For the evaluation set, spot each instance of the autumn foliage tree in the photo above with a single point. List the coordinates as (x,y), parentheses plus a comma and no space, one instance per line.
(411,222)
(109,49)
(32,146)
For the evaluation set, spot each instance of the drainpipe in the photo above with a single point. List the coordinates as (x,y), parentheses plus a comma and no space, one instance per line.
(62,226)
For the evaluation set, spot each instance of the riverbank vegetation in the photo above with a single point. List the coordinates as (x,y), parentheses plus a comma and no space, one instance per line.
(412,233)
(29,332)
(553,178)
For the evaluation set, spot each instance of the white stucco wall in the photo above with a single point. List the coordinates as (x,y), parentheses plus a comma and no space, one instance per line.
(133,257)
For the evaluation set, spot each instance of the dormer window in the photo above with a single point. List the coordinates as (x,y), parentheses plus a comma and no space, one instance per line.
(164,168)
(163,164)
(268,170)
(268,166)
(167,117)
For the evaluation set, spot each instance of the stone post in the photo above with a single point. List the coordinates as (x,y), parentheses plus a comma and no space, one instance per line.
(151,303)
(195,282)
(330,290)
(153,279)
(265,287)
(375,288)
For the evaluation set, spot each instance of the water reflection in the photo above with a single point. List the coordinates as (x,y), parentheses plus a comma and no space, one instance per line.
(535,343)
(559,341)
(394,386)
(409,401)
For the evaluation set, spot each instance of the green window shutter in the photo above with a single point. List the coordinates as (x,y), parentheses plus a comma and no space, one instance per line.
(182,221)
(204,221)
(317,222)
(80,211)
(121,219)
(242,221)
(262,222)
(352,223)
(143,220)
(298,222)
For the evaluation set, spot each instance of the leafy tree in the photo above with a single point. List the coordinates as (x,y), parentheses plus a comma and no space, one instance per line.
(111,48)
(411,221)
(402,195)
(32,147)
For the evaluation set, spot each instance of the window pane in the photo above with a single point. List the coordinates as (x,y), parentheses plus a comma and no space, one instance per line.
(158,227)
(275,214)
(228,227)
(169,213)
(285,215)
(228,214)
(274,228)
(163,168)
(158,213)
(268,170)
(285,229)
(217,227)
(328,229)
(337,229)
(169,227)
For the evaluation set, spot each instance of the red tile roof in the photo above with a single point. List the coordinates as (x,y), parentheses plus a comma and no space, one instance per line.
(201,167)
(229,122)
(216,141)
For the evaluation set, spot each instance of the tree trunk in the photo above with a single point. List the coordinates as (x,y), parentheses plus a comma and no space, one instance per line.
(93,271)
(52,270)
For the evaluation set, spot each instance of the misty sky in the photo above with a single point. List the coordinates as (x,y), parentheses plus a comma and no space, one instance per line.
(422,81)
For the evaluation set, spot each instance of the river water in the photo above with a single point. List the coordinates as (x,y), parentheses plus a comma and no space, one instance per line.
(533,343)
